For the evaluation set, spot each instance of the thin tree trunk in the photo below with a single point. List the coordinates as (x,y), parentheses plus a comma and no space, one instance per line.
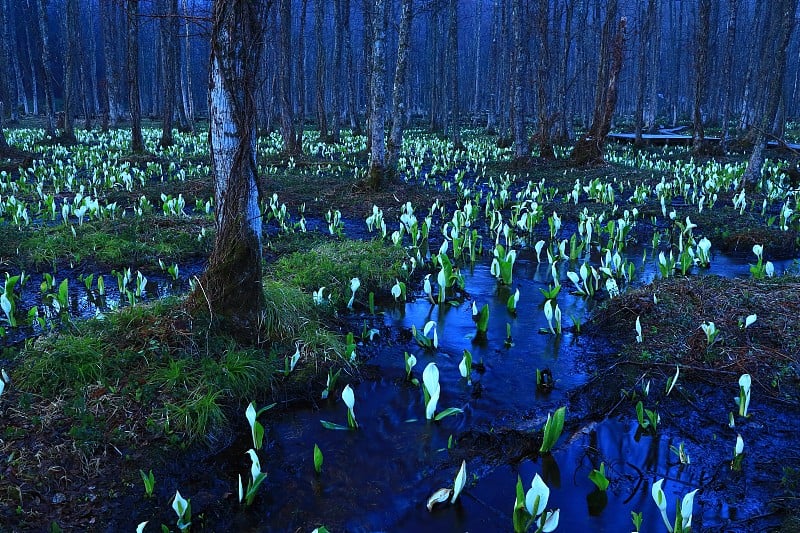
(563,132)
(232,284)
(645,45)
(18,99)
(494,52)
(701,73)
(107,16)
(300,71)
(352,106)
(377,131)
(187,96)
(134,99)
(92,61)
(546,149)
(32,67)
(399,90)
(478,49)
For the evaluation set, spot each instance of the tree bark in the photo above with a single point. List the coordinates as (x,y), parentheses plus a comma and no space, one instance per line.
(589,148)
(645,43)
(521,147)
(232,287)
(108,16)
(49,81)
(727,65)
(170,26)
(377,131)
(187,95)
(395,142)
(134,99)
(71,71)
(336,87)
(322,116)
(546,150)
(291,140)
(774,68)
(701,72)
(494,51)
(352,106)
(454,114)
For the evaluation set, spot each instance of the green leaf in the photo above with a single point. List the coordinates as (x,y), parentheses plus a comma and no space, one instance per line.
(317,459)
(552,429)
(598,477)
(447,412)
(331,425)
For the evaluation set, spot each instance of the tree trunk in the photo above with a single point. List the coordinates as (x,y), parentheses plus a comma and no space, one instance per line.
(71,71)
(32,67)
(727,66)
(187,96)
(292,142)
(18,99)
(494,52)
(134,100)
(645,44)
(564,125)
(452,77)
(774,69)
(322,116)
(521,148)
(336,95)
(300,72)
(701,73)
(49,81)
(546,149)
(398,92)
(170,26)
(377,131)
(232,286)
(352,106)
(589,148)
(107,15)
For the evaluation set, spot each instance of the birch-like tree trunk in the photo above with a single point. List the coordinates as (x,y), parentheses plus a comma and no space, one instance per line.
(454,112)
(232,286)
(336,87)
(352,106)
(187,95)
(494,51)
(543,76)
(291,140)
(134,99)
(377,119)
(395,142)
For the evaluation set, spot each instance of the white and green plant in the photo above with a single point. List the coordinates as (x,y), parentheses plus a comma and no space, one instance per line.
(257,477)
(598,477)
(711,331)
(355,283)
(431,392)
(530,508)
(743,401)
(738,454)
(256,428)
(683,509)
(348,397)
(552,430)
(182,508)
(465,366)
(445,494)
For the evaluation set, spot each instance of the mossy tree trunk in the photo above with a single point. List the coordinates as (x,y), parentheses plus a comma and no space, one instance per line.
(232,286)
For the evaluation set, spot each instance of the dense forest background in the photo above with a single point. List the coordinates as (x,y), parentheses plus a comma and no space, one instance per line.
(465,59)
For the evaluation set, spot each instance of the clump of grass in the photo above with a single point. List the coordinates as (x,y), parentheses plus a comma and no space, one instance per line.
(333,264)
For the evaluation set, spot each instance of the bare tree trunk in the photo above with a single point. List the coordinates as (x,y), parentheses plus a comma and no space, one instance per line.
(112,76)
(564,124)
(71,71)
(395,142)
(701,72)
(589,148)
(478,49)
(134,99)
(494,52)
(645,44)
(232,284)
(452,77)
(336,94)
(322,116)
(546,149)
(521,148)
(727,66)
(774,68)
(292,144)
(377,131)
(170,26)
(300,72)
(352,107)
(49,81)
(17,99)
(32,67)
(92,61)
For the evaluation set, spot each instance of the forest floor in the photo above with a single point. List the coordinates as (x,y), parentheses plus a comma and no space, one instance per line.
(87,407)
